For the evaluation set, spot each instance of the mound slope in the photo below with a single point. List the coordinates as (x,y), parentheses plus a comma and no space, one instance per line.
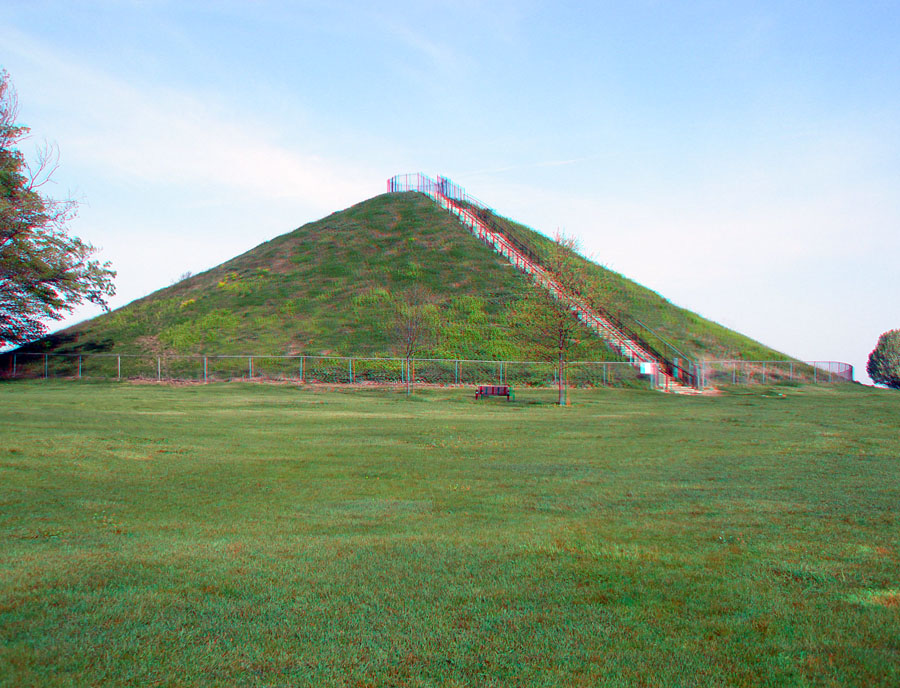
(333,287)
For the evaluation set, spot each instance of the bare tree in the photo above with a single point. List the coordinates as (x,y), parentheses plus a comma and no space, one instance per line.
(545,324)
(182,277)
(415,322)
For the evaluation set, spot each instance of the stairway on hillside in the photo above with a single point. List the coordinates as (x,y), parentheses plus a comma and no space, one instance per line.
(639,356)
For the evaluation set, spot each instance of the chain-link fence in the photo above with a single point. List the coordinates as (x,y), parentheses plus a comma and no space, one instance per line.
(353,370)
(739,372)
(316,369)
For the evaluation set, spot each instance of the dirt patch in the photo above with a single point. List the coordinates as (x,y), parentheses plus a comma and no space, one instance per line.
(152,345)
(888,599)
(878,598)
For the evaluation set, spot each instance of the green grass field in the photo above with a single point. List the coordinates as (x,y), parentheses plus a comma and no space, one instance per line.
(263,535)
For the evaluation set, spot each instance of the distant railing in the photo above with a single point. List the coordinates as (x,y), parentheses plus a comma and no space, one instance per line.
(673,362)
(488,218)
(392,371)
(741,372)
(424,184)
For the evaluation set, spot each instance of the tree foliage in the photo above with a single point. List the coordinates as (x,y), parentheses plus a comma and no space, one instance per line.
(44,272)
(883,365)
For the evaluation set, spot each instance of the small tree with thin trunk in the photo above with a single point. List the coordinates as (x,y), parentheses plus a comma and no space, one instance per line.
(545,325)
(415,321)
(883,365)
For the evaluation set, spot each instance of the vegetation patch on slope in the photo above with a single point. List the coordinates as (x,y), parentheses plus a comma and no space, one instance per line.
(692,334)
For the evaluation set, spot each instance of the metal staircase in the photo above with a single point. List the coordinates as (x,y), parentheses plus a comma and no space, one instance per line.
(669,373)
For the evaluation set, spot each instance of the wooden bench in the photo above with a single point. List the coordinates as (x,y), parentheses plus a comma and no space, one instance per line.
(493,391)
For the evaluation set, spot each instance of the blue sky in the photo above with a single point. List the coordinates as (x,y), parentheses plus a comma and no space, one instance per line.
(743,159)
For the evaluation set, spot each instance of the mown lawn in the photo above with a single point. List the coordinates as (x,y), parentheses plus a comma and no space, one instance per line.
(257,535)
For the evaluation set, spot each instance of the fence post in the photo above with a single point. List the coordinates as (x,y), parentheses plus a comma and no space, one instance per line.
(815,373)
(205,371)
(350,363)
(764,372)
(118,367)
(79,367)
(251,367)
(158,369)
(45,366)
(792,371)
(456,372)
(301,368)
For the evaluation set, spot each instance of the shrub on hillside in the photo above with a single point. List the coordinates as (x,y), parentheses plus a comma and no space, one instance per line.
(884,361)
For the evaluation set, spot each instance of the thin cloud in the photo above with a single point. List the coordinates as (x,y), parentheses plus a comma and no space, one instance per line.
(162,136)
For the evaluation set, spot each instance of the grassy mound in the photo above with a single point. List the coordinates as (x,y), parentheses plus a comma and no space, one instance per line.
(334,287)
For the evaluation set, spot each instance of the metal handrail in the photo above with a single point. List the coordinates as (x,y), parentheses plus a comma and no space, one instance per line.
(671,363)
(455,196)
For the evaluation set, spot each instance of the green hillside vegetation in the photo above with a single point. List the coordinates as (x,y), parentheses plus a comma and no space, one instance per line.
(696,336)
(333,287)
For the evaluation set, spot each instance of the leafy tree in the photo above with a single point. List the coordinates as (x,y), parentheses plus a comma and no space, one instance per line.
(884,361)
(546,327)
(44,272)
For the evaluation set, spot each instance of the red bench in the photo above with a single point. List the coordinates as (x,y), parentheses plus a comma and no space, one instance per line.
(493,391)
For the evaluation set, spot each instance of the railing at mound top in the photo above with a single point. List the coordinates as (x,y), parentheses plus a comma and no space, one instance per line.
(432,187)
(635,340)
